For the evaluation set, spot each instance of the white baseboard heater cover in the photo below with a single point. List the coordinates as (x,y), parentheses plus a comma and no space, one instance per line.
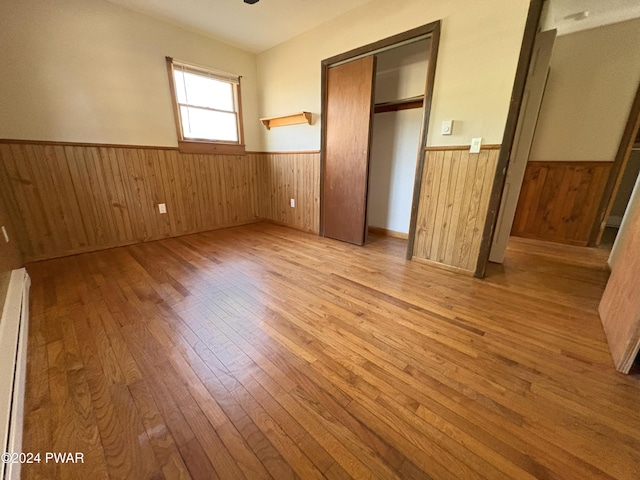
(14,332)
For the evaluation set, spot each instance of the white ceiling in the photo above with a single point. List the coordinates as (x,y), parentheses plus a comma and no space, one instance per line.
(251,27)
(601,12)
(269,22)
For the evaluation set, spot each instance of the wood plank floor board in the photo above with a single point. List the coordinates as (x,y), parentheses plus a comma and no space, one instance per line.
(264,352)
(241,367)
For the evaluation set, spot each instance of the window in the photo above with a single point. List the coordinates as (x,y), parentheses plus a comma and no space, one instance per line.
(206,104)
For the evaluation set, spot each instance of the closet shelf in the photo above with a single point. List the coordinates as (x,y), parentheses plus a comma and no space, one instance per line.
(395,105)
(283,120)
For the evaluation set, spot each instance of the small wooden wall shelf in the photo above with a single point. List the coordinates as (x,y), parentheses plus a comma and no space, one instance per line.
(404,104)
(282,120)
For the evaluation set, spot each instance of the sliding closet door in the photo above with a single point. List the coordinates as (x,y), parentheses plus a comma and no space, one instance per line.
(349,109)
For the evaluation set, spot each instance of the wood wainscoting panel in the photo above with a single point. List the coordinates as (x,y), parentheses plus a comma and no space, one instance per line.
(70,198)
(559,200)
(283,176)
(456,186)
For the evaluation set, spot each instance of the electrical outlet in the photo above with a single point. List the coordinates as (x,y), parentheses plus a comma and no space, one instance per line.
(6,236)
(292,202)
(162,207)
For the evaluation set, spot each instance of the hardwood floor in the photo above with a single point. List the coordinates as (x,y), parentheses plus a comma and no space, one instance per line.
(264,352)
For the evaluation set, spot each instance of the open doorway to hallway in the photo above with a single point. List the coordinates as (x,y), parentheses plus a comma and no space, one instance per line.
(574,158)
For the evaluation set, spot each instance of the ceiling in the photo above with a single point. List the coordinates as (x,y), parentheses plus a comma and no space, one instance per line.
(258,27)
(251,27)
(601,12)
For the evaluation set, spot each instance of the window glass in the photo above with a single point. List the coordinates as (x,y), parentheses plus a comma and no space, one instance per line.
(206,104)
(198,123)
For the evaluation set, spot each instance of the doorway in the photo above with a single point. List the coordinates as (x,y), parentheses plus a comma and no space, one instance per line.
(347,132)
(621,181)
(620,201)
(570,168)
(525,133)
(397,121)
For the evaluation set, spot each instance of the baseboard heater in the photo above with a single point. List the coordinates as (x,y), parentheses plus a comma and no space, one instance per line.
(14,325)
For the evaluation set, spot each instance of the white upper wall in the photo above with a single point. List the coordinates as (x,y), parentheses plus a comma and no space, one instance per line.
(477,59)
(90,71)
(392,169)
(560,14)
(401,72)
(593,79)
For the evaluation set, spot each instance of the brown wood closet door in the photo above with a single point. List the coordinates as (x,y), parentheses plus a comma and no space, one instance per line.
(349,110)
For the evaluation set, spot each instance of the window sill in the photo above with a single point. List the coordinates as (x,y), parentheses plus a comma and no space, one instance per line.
(190,146)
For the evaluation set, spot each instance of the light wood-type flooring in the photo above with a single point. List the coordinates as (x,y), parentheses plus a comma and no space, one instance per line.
(263,352)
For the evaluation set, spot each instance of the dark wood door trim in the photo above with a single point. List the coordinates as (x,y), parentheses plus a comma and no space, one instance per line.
(431,29)
(426,112)
(531,29)
(631,129)
(380,44)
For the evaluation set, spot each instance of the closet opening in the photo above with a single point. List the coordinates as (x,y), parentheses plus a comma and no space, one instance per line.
(397,120)
(376,104)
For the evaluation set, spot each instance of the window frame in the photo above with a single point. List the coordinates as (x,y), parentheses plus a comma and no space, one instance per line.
(193,145)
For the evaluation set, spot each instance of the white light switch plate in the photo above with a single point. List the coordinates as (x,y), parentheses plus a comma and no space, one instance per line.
(292,202)
(447,127)
(162,207)
(476,143)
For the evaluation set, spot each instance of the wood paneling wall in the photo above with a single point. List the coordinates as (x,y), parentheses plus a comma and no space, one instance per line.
(559,200)
(72,198)
(456,186)
(283,176)
(66,198)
